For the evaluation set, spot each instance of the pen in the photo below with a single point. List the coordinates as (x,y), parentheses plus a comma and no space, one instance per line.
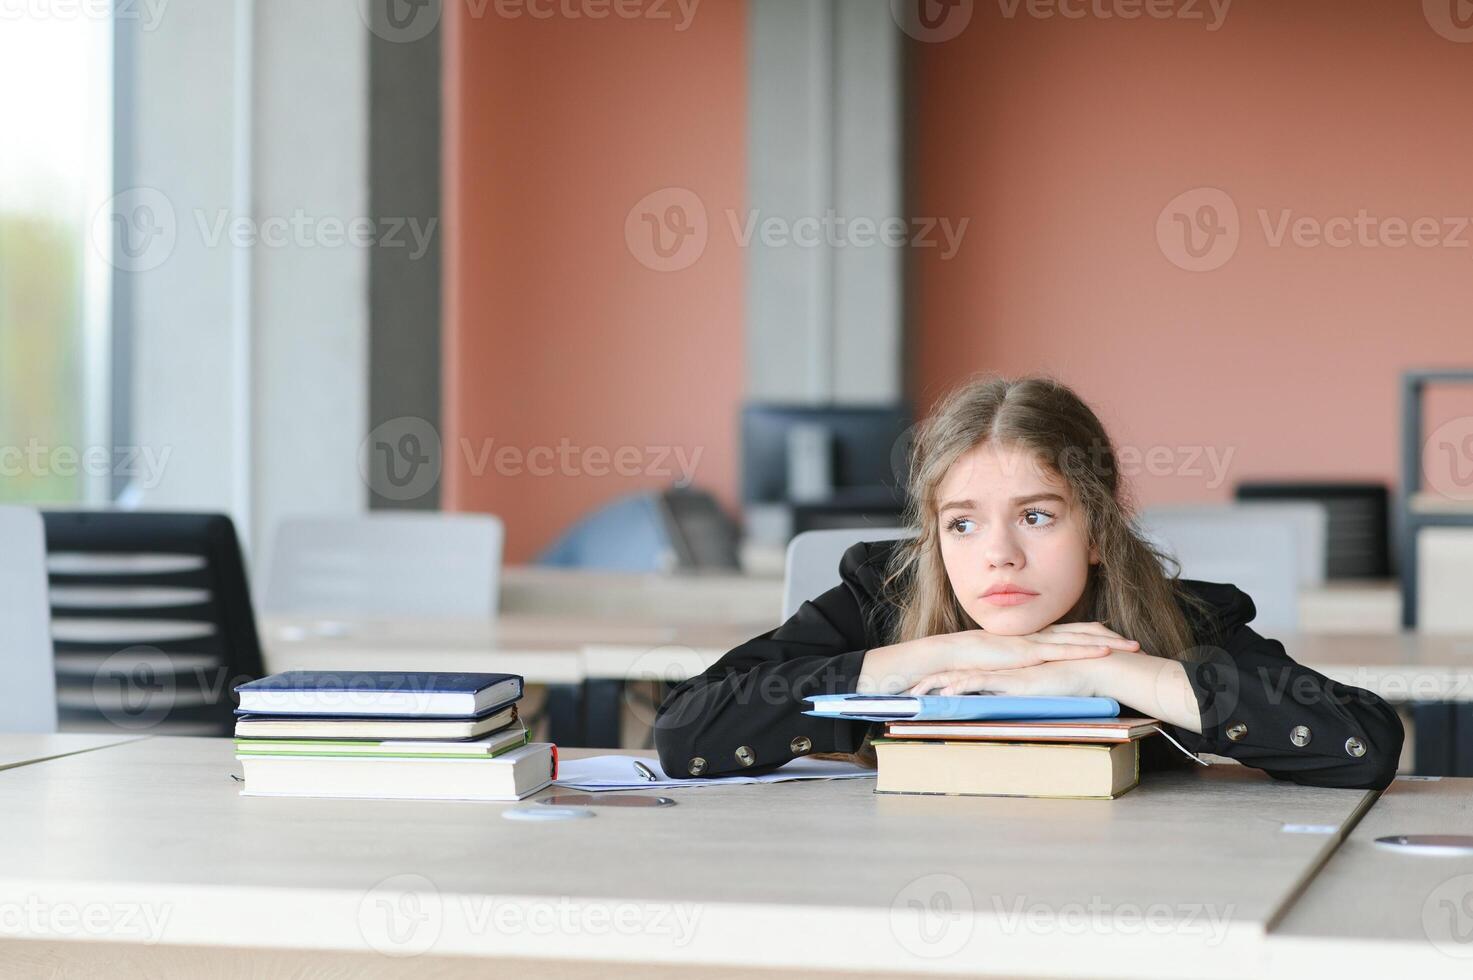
(645,772)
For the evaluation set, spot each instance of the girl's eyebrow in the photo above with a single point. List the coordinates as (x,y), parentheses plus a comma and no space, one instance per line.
(1017,501)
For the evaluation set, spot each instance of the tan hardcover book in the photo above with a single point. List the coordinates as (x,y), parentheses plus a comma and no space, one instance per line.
(1069,770)
(1121,729)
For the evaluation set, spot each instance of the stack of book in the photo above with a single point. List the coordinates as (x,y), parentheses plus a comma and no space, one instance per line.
(991,745)
(388,735)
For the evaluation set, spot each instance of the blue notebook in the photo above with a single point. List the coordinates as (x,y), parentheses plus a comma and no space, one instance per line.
(957,707)
(378,693)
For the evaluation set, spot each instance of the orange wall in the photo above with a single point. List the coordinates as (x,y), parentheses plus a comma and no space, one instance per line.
(555,334)
(1064,140)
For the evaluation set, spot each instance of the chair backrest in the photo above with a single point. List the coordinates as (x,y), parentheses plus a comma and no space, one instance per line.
(1270,551)
(627,534)
(813,560)
(1357,528)
(28,688)
(152,620)
(1444,568)
(411,565)
(701,534)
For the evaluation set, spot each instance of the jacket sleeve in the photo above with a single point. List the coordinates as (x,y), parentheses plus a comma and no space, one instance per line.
(1261,708)
(745,713)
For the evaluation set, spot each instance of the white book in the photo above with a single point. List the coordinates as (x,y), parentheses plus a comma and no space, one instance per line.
(489,746)
(504,778)
(372,729)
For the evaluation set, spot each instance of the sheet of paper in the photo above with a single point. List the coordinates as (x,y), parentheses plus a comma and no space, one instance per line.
(608,772)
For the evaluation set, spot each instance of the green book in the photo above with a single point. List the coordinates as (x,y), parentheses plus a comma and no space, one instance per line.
(488,747)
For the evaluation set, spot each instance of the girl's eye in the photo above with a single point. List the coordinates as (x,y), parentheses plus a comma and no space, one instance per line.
(960,525)
(1045,517)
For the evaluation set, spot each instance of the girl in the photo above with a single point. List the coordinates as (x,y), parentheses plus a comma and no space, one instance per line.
(1026,576)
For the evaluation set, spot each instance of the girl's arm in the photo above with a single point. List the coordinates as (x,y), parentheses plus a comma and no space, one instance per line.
(745,714)
(1246,700)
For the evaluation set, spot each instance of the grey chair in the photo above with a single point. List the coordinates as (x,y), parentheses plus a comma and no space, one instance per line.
(813,560)
(1269,550)
(413,565)
(28,691)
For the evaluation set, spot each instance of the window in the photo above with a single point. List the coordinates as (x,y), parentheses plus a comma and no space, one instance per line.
(55,173)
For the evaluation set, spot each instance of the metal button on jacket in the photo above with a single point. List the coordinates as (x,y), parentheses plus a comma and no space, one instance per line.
(1355,746)
(1236,732)
(697,766)
(1300,735)
(744,755)
(800,745)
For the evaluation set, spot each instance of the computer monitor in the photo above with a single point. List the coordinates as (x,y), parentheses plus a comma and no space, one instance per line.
(866,449)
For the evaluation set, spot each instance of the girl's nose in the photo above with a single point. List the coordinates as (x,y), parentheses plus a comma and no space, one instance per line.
(1002,551)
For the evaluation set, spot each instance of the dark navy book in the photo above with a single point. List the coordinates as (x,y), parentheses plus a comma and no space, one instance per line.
(379,693)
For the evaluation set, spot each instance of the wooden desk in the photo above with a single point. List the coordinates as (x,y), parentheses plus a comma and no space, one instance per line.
(704,598)
(1351,606)
(544,649)
(1404,667)
(1374,912)
(1431,673)
(1178,877)
(584,660)
(23,750)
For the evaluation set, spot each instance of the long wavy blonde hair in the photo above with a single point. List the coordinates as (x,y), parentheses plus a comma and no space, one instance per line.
(1132,589)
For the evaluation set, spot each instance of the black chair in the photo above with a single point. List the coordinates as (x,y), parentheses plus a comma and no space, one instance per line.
(701,534)
(1357,538)
(152,621)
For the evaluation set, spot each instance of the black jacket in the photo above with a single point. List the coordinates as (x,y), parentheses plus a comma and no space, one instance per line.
(745,713)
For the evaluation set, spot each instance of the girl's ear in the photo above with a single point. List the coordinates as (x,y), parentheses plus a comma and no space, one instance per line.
(1094,555)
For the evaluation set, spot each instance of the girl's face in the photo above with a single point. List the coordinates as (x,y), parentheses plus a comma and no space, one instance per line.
(1008,523)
